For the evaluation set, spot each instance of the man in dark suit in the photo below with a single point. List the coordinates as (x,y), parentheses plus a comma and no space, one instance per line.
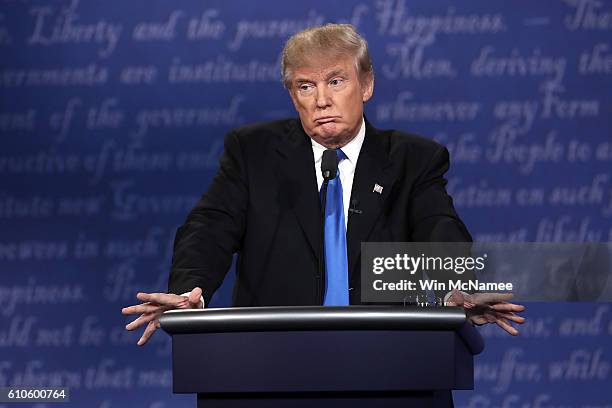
(264,202)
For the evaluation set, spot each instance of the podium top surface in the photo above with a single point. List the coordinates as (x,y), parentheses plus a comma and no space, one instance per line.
(288,318)
(313,318)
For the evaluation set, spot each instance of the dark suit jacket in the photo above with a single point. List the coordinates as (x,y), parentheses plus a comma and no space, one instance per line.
(263,203)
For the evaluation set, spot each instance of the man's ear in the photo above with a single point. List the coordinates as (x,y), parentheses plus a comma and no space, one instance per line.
(367,88)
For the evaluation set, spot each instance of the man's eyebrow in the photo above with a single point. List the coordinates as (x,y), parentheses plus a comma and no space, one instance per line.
(329,76)
(336,72)
(302,80)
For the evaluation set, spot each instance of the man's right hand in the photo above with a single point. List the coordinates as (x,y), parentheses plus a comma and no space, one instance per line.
(156,304)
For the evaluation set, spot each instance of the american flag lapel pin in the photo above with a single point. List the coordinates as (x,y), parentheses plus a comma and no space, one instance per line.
(377,188)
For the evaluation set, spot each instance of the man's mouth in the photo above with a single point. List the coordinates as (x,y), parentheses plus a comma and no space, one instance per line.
(326,119)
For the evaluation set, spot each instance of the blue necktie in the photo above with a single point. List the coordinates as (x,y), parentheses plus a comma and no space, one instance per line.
(336,262)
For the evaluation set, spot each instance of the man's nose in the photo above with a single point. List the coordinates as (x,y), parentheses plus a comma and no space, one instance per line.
(323,96)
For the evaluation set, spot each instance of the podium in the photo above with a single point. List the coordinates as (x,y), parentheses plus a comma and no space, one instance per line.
(313,356)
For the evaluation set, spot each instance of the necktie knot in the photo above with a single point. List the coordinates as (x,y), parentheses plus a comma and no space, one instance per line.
(341,155)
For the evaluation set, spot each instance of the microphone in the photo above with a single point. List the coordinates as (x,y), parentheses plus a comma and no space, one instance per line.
(353,207)
(329,164)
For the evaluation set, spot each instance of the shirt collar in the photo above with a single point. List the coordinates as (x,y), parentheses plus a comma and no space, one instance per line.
(351,149)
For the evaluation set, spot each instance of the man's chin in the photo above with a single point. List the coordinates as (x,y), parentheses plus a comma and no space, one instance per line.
(329,140)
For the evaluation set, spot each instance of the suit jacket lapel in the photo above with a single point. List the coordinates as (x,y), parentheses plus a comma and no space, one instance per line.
(373,168)
(297,178)
(298,182)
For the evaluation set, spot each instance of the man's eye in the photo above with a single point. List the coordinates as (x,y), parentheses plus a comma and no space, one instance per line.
(336,82)
(304,87)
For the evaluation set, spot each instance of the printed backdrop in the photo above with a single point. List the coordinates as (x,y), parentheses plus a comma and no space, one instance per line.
(112,116)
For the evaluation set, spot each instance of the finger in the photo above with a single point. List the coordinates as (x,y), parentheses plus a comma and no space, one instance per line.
(148,332)
(507,327)
(512,317)
(492,297)
(508,307)
(143,308)
(160,298)
(195,298)
(143,319)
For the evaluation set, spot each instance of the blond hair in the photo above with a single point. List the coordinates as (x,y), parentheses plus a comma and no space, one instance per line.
(330,41)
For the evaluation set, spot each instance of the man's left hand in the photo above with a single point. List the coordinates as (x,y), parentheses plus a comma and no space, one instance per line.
(482,308)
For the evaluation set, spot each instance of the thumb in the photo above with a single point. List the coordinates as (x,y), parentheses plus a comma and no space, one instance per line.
(195,297)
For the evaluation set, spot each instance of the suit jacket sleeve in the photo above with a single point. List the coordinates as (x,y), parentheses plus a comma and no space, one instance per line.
(433,215)
(205,243)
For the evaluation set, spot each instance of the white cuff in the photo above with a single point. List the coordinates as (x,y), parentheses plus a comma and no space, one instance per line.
(448,295)
(201,298)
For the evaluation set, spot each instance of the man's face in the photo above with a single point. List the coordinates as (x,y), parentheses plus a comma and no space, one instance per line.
(329,99)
